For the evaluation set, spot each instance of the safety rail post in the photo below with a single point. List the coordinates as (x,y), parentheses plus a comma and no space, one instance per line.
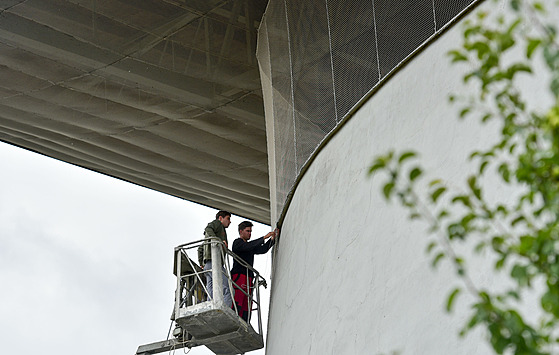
(258,304)
(178,291)
(217,278)
(231,284)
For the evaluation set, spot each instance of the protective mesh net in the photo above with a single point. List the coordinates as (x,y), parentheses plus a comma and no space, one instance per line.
(319,58)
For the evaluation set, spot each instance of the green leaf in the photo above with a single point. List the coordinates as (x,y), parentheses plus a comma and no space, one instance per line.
(435,182)
(481,48)
(430,247)
(497,241)
(505,172)
(376,166)
(464,112)
(550,302)
(517,68)
(471,30)
(500,263)
(551,56)
(480,246)
(512,148)
(514,25)
(437,193)
(520,273)
(482,166)
(415,173)
(437,259)
(486,117)
(474,154)
(387,190)
(472,183)
(457,56)
(456,230)
(465,200)
(555,86)
(443,214)
(406,155)
(539,7)
(502,210)
(517,220)
(526,244)
(532,45)
(451,298)
(415,215)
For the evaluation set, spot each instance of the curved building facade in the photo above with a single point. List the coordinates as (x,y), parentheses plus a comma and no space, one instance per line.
(343,83)
(320,59)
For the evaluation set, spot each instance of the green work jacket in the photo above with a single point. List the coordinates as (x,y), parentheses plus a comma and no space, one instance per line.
(213,229)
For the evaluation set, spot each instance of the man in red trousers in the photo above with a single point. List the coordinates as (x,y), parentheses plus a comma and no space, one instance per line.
(241,275)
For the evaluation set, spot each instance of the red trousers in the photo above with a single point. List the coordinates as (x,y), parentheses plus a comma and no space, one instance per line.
(240,298)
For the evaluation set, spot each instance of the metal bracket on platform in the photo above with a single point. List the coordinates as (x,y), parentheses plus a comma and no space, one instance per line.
(163,346)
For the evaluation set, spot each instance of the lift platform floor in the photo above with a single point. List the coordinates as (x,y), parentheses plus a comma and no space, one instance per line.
(219,328)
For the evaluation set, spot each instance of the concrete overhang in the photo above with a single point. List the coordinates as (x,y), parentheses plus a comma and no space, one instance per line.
(161,93)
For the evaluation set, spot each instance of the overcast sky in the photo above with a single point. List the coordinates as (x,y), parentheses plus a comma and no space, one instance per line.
(86,260)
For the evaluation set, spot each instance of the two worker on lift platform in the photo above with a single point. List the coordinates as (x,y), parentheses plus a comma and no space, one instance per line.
(198,322)
(245,249)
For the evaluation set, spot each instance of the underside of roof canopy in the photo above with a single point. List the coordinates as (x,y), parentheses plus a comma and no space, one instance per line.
(161,93)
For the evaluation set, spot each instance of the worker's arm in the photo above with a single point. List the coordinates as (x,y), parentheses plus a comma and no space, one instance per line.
(240,245)
(257,246)
(264,247)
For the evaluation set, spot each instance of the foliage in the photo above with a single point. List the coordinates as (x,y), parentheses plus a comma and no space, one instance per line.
(522,236)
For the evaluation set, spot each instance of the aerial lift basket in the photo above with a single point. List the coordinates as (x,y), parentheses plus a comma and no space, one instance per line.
(205,320)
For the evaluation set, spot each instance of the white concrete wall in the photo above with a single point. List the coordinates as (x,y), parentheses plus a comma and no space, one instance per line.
(351,274)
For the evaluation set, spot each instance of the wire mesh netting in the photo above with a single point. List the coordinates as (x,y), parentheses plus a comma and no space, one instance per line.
(319,58)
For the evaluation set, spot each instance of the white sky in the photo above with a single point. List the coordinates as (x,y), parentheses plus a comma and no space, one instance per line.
(86,260)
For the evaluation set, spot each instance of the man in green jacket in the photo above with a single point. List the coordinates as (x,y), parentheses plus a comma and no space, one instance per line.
(215,229)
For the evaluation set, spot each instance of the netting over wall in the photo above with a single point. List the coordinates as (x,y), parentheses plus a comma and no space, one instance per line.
(319,58)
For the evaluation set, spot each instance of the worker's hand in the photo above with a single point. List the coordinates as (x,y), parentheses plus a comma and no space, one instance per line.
(269,235)
(276,234)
